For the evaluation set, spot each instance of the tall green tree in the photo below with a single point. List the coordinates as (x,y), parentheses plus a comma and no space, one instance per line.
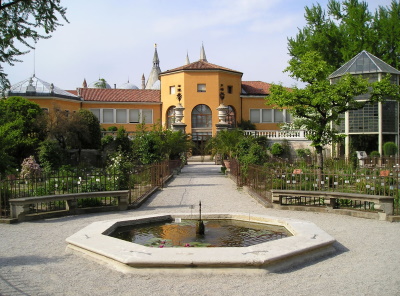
(386,26)
(25,22)
(320,103)
(24,120)
(347,27)
(9,132)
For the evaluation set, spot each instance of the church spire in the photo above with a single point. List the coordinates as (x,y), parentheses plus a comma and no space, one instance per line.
(203,54)
(156,61)
(155,71)
(187,59)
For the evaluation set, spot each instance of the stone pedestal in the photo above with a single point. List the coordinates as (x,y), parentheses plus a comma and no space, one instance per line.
(179,113)
(222,126)
(222,109)
(179,126)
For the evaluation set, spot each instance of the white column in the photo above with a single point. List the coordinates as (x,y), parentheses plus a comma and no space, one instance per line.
(346,131)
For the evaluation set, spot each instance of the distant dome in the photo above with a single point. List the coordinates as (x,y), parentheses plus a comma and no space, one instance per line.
(156,85)
(128,85)
(96,84)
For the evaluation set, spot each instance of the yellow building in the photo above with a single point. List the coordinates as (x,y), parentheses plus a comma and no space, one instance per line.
(200,87)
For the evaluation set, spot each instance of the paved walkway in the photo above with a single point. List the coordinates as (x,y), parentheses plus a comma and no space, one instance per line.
(33,260)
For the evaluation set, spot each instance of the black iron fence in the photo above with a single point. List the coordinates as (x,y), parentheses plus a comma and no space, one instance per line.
(139,180)
(382,181)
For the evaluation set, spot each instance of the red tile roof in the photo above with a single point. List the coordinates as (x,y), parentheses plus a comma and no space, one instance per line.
(119,95)
(199,65)
(255,88)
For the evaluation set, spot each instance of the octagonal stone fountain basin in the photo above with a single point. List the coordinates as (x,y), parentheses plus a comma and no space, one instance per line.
(308,242)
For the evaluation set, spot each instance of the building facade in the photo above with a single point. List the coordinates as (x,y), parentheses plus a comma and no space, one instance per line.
(200,88)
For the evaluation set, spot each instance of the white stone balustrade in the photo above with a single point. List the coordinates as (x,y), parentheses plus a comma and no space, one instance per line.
(278,134)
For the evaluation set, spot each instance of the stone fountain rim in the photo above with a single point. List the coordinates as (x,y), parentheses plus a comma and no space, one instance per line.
(307,238)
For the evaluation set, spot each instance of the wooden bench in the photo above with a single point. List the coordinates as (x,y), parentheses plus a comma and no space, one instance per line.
(382,204)
(19,207)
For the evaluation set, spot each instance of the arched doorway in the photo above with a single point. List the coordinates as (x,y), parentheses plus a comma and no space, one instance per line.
(170,117)
(231,117)
(201,127)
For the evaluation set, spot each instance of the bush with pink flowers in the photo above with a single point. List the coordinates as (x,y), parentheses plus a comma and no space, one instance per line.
(30,168)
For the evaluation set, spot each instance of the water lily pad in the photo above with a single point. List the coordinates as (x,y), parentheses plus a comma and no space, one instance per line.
(199,244)
(156,242)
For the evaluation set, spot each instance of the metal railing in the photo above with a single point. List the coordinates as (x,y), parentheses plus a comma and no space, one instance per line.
(139,181)
(381,182)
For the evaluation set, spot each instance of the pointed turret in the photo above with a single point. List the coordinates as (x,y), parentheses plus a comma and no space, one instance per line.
(143,82)
(155,71)
(203,54)
(187,59)
(84,84)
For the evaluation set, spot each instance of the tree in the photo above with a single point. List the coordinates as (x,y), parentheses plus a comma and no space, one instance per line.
(386,26)
(8,133)
(101,83)
(24,121)
(157,145)
(94,129)
(78,130)
(20,23)
(51,155)
(347,28)
(319,103)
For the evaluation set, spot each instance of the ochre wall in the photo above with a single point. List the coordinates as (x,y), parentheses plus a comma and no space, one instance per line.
(257,103)
(191,98)
(56,103)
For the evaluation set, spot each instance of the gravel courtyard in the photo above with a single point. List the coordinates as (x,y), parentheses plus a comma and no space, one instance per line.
(34,260)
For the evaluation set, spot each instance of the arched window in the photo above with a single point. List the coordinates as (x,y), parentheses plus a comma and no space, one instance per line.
(170,117)
(201,117)
(231,116)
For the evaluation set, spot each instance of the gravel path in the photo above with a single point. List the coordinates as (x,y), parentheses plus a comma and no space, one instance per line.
(34,261)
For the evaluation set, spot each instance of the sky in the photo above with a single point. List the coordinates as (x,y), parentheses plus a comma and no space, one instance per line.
(115,40)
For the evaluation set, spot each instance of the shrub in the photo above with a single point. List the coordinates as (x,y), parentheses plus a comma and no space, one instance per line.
(112,129)
(303,152)
(51,155)
(122,141)
(30,168)
(93,141)
(389,148)
(375,154)
(246,125)
(276,149)
(106,140)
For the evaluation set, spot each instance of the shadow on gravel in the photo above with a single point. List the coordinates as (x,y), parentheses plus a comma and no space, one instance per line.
(27,260)
(149,208)
(192,185)
(194,174)
(340,249)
